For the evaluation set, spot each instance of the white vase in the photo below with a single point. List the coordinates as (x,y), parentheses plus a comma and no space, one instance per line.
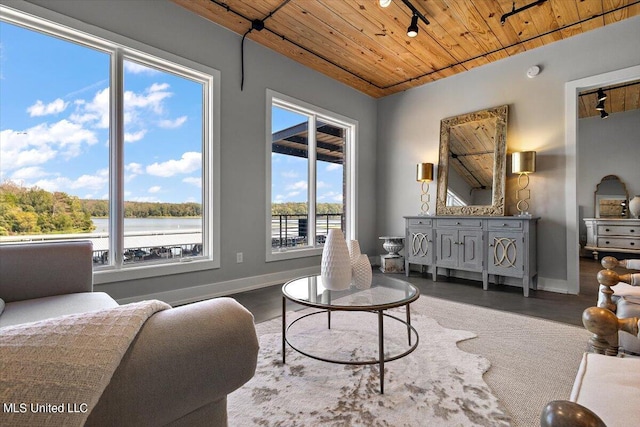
(335,267)
(634,207)
(362,274)
(354,250)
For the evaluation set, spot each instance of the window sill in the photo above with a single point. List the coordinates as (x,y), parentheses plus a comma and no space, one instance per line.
(106,276)
(293,254)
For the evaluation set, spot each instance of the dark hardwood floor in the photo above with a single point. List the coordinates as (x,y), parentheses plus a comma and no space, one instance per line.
(266,303)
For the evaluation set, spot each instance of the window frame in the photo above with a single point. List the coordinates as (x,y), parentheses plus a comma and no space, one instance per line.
(121,48)
(277,99)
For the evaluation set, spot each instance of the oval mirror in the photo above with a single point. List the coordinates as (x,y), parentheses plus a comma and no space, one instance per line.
(472,165)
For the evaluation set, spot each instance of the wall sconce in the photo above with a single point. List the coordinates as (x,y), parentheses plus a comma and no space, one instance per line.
(424,174)
(523,163)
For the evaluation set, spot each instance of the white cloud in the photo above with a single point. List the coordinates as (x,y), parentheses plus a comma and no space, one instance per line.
(289,174)
(190,162)
(133,168)
(135,68)
(94,112)
(98,181)
(41,143)
(299,185)
(333,166)
(331,196)
(172,124)
(28,173)
(152,98)
(40,109)
(195,181)
(154,189)
(149,199)
(135,136)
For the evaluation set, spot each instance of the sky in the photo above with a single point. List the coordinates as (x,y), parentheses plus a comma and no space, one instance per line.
(54,120)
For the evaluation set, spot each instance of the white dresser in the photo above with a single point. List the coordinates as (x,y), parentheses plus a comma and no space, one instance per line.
(613,235)
(498,246)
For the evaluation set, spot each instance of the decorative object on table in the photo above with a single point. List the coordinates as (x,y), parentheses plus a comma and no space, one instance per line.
(362,274)
(634,207)
(393,244)
(354,250)
(392,262)
(523,163)
(424,174)
(335,267)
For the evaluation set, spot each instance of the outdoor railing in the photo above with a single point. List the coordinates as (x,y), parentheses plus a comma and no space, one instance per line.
(292,230)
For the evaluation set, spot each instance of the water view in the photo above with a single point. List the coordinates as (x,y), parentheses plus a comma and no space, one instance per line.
(150,224)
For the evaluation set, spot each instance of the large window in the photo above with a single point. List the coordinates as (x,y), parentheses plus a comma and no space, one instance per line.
(107,140)
(310,181)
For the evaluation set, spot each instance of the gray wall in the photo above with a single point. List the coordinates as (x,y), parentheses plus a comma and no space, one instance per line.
(408,130)
(607,147)
(169,27)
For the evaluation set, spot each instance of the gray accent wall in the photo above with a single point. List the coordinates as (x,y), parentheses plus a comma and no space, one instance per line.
(408,131)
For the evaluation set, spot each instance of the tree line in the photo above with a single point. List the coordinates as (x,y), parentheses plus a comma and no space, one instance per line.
(32,210)
(300,208)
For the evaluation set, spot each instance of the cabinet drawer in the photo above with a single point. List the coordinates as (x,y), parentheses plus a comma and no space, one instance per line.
(420,221)
(506,224)
(467,223)
(618,242)
(618,230)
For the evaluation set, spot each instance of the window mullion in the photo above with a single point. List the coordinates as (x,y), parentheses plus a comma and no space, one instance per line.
(116,161)
(311,152)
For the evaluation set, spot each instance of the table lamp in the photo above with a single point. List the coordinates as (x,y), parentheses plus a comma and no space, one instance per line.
(523,163)
(424,175)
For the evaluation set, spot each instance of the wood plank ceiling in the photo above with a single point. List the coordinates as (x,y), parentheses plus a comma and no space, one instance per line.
(620,97)
(366,47)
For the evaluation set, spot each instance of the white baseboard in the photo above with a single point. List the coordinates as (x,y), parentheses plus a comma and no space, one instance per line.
(198,293)
(553,285)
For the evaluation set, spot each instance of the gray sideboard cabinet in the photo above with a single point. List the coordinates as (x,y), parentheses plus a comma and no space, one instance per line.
(497,246)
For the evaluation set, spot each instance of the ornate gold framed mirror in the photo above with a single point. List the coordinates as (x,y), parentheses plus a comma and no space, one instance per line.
(472,168)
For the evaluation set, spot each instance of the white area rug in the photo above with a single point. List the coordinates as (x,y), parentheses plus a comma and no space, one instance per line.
(436,385)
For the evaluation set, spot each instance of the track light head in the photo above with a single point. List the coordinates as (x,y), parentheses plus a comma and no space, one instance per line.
(600,106)
(384,3)
(601,95)
(412,31)
(604,114)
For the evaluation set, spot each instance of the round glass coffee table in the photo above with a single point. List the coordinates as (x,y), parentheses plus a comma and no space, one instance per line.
(385,293)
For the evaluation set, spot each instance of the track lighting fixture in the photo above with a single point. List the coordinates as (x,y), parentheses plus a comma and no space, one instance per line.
(600,107)
(412,31)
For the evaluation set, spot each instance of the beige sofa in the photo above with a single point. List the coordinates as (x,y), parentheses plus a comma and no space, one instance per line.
(180,367)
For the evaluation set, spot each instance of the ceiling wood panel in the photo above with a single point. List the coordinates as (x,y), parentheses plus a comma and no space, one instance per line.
(620,97)
(365,46)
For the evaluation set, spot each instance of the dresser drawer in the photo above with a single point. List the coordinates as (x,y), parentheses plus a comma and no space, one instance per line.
(420,221)
(466,223)
(618,230)
(507,224)
(618,242)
